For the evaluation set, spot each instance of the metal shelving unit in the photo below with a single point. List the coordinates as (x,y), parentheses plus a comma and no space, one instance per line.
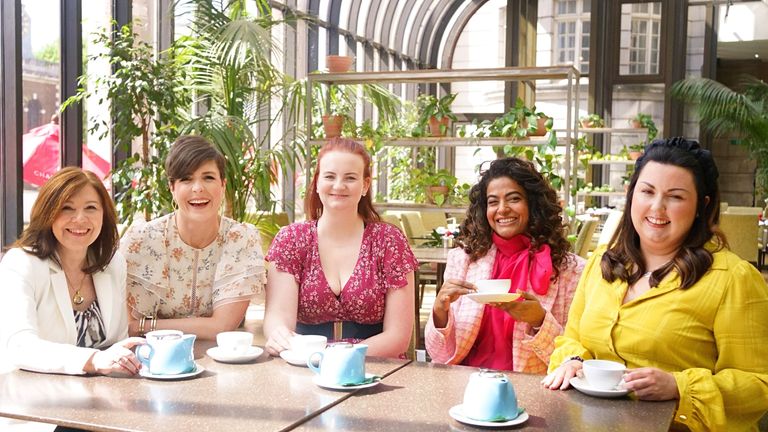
(425,76)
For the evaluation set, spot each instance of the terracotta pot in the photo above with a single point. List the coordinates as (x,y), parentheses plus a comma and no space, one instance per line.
(635,155)
(332,126)
(337,63)
(636,124)
(431,191)
(586,124)
(434,126)
(541,127)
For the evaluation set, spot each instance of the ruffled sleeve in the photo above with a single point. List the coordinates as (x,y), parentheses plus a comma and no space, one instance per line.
(735,396)
(240,272)
(398,259)
(288,251)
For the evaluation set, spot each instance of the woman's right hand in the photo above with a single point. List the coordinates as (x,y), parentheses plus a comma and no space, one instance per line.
(560,378)
(279,340)
(451,290)
(117,359)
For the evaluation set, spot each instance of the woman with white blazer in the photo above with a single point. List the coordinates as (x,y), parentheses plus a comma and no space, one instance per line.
(64,284)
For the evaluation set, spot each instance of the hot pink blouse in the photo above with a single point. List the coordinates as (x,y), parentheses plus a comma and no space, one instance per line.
(383,263)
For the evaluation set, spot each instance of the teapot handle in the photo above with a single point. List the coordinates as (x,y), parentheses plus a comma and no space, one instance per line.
(311,364)
(144,354)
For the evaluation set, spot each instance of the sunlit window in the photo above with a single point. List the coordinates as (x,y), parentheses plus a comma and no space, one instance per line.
(572,33)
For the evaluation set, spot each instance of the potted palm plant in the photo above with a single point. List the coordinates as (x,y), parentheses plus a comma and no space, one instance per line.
(742,112)
(435,114)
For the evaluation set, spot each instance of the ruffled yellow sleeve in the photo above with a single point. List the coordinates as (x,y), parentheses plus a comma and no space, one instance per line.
(735,396)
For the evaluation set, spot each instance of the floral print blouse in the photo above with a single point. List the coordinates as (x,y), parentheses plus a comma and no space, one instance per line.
(167,278)
(384,261)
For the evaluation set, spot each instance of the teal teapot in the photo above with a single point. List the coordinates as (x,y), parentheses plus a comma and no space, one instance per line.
(340,364)
(490,396)
(168,352)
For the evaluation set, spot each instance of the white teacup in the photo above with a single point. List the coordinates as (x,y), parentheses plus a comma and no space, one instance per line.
(603,374)
(235,342)
(304,345)
(495,286)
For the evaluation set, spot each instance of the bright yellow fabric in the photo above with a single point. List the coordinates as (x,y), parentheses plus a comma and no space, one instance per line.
(713,337)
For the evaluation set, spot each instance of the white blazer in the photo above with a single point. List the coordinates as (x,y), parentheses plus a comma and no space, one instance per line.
(37,323)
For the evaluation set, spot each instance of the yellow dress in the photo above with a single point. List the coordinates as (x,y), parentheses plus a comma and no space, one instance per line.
(713,337)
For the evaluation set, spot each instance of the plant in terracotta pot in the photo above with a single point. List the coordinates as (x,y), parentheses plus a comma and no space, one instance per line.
(434,187)
(339,106)
(434,114)
(592,121)
(642,120)
(636,150)
(338,63)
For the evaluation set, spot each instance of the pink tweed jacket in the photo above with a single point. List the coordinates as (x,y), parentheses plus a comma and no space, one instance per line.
(531,350)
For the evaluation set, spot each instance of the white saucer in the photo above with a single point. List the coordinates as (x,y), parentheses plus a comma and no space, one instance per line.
(583,386)
(220,355)
(198,370)
(493,297)
(290,357)
(335,386)
(457,412)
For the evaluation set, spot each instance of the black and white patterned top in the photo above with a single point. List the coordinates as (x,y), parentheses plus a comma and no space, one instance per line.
(90,327)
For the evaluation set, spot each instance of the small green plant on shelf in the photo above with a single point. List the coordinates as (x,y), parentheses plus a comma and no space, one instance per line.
(434,187)
(434,115)
(642,120)
(592,121)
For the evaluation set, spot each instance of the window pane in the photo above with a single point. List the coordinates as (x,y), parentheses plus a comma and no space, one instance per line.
(40,53)
(640,35)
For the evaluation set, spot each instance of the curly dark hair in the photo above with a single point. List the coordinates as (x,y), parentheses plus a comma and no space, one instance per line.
(545,221)
(624,260)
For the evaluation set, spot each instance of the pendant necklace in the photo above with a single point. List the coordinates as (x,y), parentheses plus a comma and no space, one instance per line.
(77,298)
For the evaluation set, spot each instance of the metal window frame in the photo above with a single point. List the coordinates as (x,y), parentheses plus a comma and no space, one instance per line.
(11,169)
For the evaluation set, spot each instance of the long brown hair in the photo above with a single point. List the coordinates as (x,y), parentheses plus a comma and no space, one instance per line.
(313,205)
(545,221)
(38,239)
(624,260)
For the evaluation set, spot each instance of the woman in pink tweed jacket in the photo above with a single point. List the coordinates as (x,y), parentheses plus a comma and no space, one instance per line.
(514,230)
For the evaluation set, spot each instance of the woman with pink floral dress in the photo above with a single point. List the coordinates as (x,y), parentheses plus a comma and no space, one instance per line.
(343,265)
(192,270)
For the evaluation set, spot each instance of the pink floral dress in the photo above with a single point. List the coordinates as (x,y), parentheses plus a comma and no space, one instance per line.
(167,278)
(384,261)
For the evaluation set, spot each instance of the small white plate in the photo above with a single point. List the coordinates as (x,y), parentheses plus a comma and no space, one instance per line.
(583,386)
(291,357)
(457,412)
(493,297)
(334,386)
(198,370)
(220,355)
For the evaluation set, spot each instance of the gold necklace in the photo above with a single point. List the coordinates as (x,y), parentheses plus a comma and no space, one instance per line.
(77,298)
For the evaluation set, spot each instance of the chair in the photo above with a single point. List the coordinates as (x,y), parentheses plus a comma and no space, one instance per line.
(584,238)
(393,219)
(609,227)
(433,219)
(741,231)
(414,228)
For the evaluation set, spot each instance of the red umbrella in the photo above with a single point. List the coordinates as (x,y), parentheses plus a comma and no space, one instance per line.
(42,145)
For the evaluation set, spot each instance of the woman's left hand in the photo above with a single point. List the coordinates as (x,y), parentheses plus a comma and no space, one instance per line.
(529,310)
(651,384)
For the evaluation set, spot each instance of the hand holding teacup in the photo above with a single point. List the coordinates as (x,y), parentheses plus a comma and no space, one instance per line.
(651,384)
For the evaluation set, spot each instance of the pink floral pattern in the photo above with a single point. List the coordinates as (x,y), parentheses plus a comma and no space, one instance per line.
(384,261)
(169,279)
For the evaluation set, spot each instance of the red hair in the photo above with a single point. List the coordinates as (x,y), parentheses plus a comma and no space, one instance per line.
(313,205)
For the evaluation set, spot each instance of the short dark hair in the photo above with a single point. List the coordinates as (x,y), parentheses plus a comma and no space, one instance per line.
(188,153)
(623,260)
(545,220)
(38,239)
